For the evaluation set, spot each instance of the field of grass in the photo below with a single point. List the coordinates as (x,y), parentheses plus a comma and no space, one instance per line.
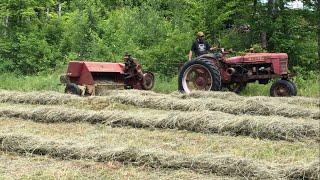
(49,82)
(138,135)
(307,86)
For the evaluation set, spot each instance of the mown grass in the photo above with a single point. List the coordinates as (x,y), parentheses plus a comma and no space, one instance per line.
(169,141)
(163,141)
(275,128)
(13,166)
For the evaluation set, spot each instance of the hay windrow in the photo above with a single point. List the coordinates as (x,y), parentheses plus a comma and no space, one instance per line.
(221,165)
(164,102)
(227,96)
(310,171)
(272,127)
(230,96)
(249,106)
(42,97)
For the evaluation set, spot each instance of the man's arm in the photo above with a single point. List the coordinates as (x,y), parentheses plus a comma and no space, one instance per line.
(208,47)
(190,55)
(213,48)
(193,49)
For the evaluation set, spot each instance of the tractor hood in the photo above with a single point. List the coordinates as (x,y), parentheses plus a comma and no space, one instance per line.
(257,57)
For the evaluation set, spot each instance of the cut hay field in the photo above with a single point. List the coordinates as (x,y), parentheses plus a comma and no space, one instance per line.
(145,135)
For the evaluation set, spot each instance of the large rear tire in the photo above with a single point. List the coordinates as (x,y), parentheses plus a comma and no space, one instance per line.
(201,75)
(282,88)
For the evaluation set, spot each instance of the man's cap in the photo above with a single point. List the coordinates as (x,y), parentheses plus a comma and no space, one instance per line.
(200,34)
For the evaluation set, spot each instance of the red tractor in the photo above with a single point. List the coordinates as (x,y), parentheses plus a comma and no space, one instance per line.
(213,72)
(93,78)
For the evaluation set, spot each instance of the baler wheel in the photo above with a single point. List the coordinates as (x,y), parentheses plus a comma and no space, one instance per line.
(282,88)
(201,75)
(147,81)
(72,88)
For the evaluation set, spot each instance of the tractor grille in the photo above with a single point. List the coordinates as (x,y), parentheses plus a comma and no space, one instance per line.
(283,66)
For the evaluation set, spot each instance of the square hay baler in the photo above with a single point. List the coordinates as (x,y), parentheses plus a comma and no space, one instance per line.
(94,78)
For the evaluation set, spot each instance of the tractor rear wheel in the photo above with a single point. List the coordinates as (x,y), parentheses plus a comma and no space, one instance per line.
(282,88)
(200,75)
(72,88)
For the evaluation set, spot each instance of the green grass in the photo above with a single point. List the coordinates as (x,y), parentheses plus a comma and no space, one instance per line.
(47,82)
(165,85)
(307,86)
(256,89)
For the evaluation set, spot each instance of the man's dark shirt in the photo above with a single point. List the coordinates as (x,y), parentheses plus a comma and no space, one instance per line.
(200,47)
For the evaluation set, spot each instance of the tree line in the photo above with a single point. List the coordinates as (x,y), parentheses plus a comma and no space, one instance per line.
(41,35)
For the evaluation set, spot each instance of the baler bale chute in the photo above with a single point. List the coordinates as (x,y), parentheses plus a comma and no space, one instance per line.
(94,78)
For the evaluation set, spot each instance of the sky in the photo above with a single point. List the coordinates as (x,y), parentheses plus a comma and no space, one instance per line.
(294,5)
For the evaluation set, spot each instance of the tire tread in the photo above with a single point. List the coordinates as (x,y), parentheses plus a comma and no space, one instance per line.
(214,71)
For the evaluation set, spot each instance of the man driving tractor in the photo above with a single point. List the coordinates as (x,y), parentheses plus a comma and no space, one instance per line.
(199,46)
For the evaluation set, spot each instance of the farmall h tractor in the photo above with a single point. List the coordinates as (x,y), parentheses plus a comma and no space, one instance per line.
(213,72)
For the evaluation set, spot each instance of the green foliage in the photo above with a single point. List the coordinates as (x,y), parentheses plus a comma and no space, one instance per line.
(157,43)
(37,37)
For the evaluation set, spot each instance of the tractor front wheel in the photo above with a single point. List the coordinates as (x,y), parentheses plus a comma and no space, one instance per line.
(295,89)
(283,88)
(72,88)
(200,75)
